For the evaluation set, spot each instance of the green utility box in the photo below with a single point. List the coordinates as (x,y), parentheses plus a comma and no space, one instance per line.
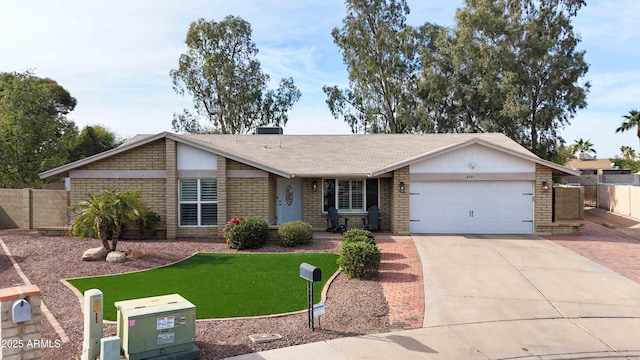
(160,327)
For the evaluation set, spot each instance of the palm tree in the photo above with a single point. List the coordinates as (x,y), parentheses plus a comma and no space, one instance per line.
(627,152)
(633,121)
(582,147)
(102,216)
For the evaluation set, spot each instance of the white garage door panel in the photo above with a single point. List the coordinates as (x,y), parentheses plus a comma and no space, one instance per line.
(499,207)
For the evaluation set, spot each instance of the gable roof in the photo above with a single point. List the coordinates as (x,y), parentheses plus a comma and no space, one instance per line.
(327,155)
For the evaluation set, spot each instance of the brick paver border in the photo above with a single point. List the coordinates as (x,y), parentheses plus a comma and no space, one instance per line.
(605,247)
(402,282)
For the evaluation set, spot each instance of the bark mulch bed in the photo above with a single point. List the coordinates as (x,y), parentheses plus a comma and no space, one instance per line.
(353,307)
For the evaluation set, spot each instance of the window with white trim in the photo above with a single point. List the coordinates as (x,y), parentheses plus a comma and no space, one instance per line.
(198,200)
(350,195)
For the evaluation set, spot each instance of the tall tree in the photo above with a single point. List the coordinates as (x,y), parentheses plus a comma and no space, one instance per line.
(34,130)
(632,121)
(220,70)
(93,139)
(382,56)
(515,68)
(582,147)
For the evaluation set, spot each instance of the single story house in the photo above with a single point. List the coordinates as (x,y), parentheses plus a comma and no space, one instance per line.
(422,183)
(590,166)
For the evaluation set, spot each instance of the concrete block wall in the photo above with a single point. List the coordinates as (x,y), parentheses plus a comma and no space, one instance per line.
(33,208)
(568,202)
(14,209)
(21,340)
(49,208)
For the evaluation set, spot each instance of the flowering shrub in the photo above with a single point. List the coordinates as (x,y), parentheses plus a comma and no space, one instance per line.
(295,233)
(249,233)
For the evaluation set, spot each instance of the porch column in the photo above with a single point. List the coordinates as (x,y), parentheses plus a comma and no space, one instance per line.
(400,201)
(171,188)
(221,174)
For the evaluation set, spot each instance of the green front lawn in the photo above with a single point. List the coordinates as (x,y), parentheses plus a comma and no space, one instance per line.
(221,285)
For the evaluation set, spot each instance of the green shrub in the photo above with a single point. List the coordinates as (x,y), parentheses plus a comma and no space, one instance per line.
(104,215)
(146,223)
(359,259)
(249,233)
(355,235)
(295,233)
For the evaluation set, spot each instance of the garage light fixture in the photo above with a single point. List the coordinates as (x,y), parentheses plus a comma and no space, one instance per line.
(314,186)
(545,185)
(401,186)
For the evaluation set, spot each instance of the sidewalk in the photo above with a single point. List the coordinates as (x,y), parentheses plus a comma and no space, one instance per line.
(623,225)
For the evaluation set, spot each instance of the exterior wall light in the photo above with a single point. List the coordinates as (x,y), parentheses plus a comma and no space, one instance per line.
(545,185)
(401,186)
(314,186)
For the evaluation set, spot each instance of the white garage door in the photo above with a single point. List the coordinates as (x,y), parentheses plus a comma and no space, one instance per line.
(482,207)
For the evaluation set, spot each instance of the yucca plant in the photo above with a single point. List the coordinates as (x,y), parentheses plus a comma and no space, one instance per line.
(102,216)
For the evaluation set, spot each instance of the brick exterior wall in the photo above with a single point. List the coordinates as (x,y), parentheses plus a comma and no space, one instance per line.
(171,190)
(150,156)
(543,200)
(400,201)
(153,193)
(385,203)
(222,195)
(312,206)
(273,199)
(248,197)
(21,340)
(146,157)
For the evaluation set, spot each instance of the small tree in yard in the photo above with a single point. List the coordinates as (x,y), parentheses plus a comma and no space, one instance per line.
(103,216)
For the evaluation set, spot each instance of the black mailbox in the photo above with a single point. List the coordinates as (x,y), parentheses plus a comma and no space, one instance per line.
(310,272)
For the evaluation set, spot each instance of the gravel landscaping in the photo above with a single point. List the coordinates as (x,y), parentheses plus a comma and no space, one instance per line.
(353,307)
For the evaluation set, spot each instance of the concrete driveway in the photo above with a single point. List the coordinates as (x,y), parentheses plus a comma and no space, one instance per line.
(503,297)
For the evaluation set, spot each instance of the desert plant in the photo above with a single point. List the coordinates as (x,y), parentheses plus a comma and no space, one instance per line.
(247,233)
(295,233)
(354,235)
(146,223)
(359,259)
(103,216)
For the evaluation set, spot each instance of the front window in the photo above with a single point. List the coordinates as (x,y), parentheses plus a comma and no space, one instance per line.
(350,195)
(198,202)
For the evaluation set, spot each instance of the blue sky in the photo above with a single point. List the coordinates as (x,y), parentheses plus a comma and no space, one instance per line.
(115,56)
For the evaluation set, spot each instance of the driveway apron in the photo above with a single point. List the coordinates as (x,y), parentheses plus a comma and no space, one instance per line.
(514,296)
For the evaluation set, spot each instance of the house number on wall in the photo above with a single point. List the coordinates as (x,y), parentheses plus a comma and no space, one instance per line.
(289,197)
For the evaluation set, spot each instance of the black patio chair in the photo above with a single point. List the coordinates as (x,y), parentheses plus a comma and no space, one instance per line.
(372,220)
(333,221)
